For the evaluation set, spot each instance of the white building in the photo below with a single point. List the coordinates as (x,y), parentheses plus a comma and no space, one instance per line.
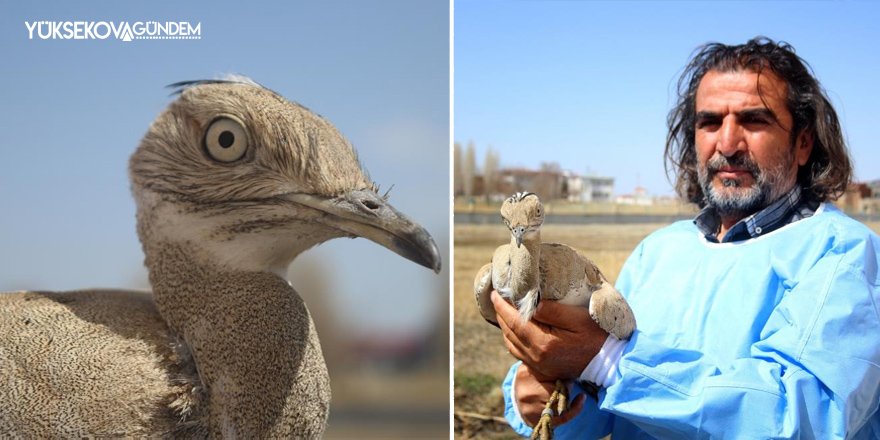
(589,188)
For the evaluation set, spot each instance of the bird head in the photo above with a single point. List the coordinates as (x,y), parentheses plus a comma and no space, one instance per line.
(523,214)
(252,180)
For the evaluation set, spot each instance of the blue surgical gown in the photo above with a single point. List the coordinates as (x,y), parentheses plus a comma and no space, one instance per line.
(773,337)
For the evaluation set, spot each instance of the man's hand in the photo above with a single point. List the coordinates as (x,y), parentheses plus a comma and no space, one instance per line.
(557,343)
(532,393)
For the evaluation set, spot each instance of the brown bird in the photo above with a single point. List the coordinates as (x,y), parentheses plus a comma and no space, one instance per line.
(527,270)
(232,182)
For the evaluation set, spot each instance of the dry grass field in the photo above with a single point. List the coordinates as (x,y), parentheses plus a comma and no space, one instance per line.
(481,360)
(670,207)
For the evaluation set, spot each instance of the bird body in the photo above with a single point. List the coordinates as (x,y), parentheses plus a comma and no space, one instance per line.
(61,350)
(527,270)
(231,182)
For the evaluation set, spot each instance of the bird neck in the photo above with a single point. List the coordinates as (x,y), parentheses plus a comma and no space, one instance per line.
(526,258)
(252,340)
(531,244)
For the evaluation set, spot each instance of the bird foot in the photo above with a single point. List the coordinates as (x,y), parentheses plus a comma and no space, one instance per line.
(556,405)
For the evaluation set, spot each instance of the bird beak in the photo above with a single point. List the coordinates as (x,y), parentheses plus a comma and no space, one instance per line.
(518,233)
(365,214)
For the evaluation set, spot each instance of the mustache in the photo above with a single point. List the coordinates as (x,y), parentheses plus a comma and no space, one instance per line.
(740,160)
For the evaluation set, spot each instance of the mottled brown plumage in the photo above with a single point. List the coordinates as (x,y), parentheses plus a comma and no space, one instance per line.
(232,182)
(527,270)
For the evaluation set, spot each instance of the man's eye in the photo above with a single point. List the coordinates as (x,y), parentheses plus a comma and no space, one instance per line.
(707,124)
(753,119)
(755,122)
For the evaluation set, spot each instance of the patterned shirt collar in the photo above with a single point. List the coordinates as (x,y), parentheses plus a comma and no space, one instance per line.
(789,208)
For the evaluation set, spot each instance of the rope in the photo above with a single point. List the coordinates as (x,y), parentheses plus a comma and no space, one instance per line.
(556,405)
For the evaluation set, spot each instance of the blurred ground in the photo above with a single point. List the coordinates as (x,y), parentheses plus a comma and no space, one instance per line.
(378,405)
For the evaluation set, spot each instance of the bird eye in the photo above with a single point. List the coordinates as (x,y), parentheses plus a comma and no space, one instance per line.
(226,140)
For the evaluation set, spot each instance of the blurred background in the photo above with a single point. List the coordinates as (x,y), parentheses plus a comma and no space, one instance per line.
(569,99)
(74,110)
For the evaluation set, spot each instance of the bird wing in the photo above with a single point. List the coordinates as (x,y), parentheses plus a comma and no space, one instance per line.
(570,278)
(493,276)
(610,310)
(482,290)
(501,271)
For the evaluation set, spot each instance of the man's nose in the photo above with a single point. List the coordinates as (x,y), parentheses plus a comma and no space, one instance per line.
(730,138)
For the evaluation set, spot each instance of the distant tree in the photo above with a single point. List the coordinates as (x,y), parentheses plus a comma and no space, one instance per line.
(548,182)
(490,173)
(457,176)
(469,170)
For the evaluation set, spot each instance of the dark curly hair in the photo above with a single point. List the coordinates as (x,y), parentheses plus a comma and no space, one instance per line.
(827,172)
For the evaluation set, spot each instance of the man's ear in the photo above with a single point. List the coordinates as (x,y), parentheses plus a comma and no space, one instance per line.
(803,146)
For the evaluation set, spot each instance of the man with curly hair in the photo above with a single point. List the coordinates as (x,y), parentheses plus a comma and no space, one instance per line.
(759,318)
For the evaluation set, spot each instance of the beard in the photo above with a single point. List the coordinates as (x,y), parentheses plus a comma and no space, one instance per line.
(732,199)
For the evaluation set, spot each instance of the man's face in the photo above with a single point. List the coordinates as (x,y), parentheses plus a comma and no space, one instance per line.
(745,156)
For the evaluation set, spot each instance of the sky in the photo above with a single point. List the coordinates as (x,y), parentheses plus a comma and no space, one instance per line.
(588,84)
(73,111)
